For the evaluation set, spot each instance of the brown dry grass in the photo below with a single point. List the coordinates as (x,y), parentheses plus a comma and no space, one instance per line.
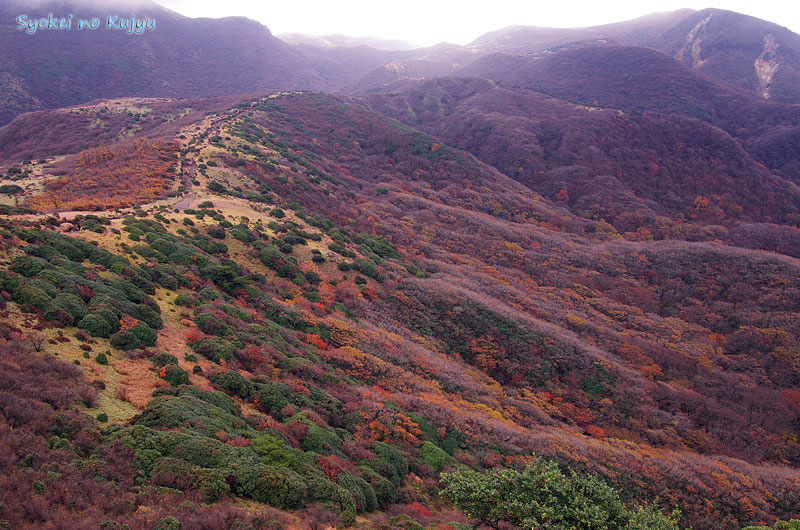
(138,382)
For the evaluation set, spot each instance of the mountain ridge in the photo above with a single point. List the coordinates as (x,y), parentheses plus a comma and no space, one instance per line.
(767,68)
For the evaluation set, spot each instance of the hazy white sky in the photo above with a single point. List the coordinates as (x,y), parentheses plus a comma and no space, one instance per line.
(427,22)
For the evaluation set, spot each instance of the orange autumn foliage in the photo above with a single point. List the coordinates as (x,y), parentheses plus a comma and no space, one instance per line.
(105,178)
(127,322)
(315,340)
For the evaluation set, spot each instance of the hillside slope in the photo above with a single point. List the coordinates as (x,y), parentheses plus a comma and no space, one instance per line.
(374,305)
(641,172)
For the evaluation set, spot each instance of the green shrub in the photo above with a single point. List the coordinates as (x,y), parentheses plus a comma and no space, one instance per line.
(175,376)
(34,293)
(30,294)
(385,492)
(215,349)
(322,490)
(211,325)
(228,275)
(183,300)
(124,340)
(107,312)
(277,486)
(101,358)
(93,226)
(338,247)
(242,234)
(542,492)
(274,258)
(96,325)
(168,523)
(148,315)
(198,412)
(362,492)
(102,417)
(216,232)
(213,484)
(216,187)
(320,440)
(163,359)
(65,308)
(145,251)
(208,294)
(144,334)
(233,383)
(28,266)
(389,462)
(366,267)
(377,244)
(274,452)
(272,397)
(434,456)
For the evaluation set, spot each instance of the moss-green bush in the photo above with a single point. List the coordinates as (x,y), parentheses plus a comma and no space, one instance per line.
(277,486)
(214,349)
(217,232)
(390,463)
(175,376)
(183,300)
(434,456)
(273,397)
(233,383)
(95,325)
(163,359)
(144,334)
(34,293)
(274,452)
(124,340)
(363,494)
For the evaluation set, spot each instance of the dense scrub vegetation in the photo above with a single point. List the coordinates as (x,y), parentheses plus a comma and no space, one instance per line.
(348,317)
